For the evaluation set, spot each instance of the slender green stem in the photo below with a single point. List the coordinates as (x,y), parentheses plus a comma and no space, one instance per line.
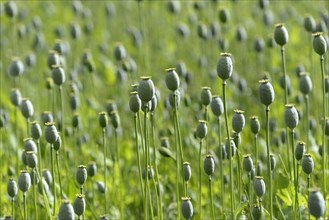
(207,120)
(59,174)
(39,154)
(297,180)
(28,127)
(239,173)
(141,133)
(200,181)
(221,166)
(211,199)
(104,163)
(53,175)
(268,160)
(34,195)
(283,59)
(62,118)
(294,170)
(119,177)
(256,152)
(13,208)
(24,203)
(308,191)
(45,198)
(307,123)
(250,195)
(261,208)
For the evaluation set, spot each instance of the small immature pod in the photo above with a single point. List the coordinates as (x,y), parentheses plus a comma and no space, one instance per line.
(172,79)
(31,159)
(247,163)
(305,83)
(217,106)
(238,121)
(111,106)
(209,165)
(100,186)
(58,75)
(266,92)
(115,119)
(153,103)
(81,175)
(11,9)
(256,212)
(241,34)
(203,31)
(187,171)
(164,142)
(75,31)
(319,44)
(233,148)
(27,108)
(254,125)
(205,96)
(44,185)
(103,119)
(174,6)
(76,120)
(47,117)
(135,103)
(307,164)
(224,15)
(316,204)
(66,211)
(58,143)
(259,186)
(201,130)
(259,45)
(79,205)
(91,169)
(53,59)
(120,52)
(187,208)
(51,133)
(15,97)
(24,181)
(29,145)
(146,89)
(59,47)
(299,150)
(12,188)
(272,161)
(281,36)
(326,82)
(34,177)
(225,66)
(309,24)
(74,101)
(291,116)
(16,67)
(46,175)
(49,83)
(36,130)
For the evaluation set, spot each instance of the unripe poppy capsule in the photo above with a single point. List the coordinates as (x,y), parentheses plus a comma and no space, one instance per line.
(309,24)
(24,181)
(120,52)
(58,143)
(247,163)
(11,9)
(205,96)
(187,171)
(217,106)
(12,188)
(319,44)
(79,205)
(46,175)
(66,211)
(100,186)
(225,66)
(36,130)
(256,213)
(115,119)
(266,92)
(254,125)
(146,89)
(224,15)
(29,145)
(103,119)
(259,186)
(238,121)
(209,165)
(305,83)
(135,103)
(291,116)
(316,204)
(307,163)
(15,97)
(51,133)
(91,169)
(172,79)
(27,108)
(281,36)
(187,208)
(299,150)
(58,75)
(272,161)
(53,59)
(16,68)
(201,130)
(81,175)
(31,159)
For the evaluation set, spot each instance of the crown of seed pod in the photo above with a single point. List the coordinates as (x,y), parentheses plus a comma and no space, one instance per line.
(36,130)
(209,165)
(201,129)
(100,187)
(58,143)
(256,212)
(27,108)
(103,119)
(291,116)
(53,59)
(319,44)
(259,186)
(216,106)
(172,95)
(247,163)
(225,66)
(266,92)
(24,181)
(187,208)
(16,67)
(254,125)
(81,175)
(146,89)
(79,205)
(46,175)
(281,36)
(115,119)
(305,83)
(66,211)
(92,169)
(29,145)
(58,75)
(233,148)
(187,171)
(172,79)
(10,9)
(238,121)
(51,133)
(307,163)
(12,188)
(31,159)
(135,103)
(205,96)
(43,186)
(299,150)
(272,161)
(316,204)
(15,97)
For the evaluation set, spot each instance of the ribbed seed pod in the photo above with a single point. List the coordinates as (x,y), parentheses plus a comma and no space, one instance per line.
(16,68)
(187,171)
(238,121)
(12,188)
(27,108)
(217,106)
(36,130)
(319,44)
(15,97)
(256,212)
(201,129)
(281,36)
(225,66)
(209,165)
(305,83)
(44,185)
(309,24)
(58,143)
(24,181)
(115,119)
(205,96)
(100,186)
(79,205)
(254,125)
(66,211)
(299,150)
(291,116)
(135,103)
(187,208)
(259,186)
(172,79)
(120,52)
(247,163)
(58,75)
(92,169)
(10,9)
(316,204)
(146,89)
(29,145)
(307,164)
(51,133)
(47,117)
(266,92)
(31,159)
(272,161)
(81,175)
(103,119)
(233,148)
(46,174)
(53,59)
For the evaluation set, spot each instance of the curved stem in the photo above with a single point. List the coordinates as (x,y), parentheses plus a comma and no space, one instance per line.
(200,181)
(104,163)
(268,160)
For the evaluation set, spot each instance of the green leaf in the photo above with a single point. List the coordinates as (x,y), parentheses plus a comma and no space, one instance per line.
(239,209)
(282,180)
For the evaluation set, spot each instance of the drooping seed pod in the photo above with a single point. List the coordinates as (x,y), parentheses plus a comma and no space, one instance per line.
(316,204)
(201,130)
(58,75)
(205,96)
(135,103)
(29,145)
(79,205)
(15,97)
(233,148)
(172,79)
(209,165)
(100,187)
(103,119)
(254,125)
(31,159)
(309,24)
(146,89)
(224,15)
(225,66)
(81,175)
(36,130)
(115,119)
(16,68)
(307,164)
(92,169)
(238,121)
(266,92)
(259,186)
(11,9)
(256,213)
(291,116)
(172,95)
(217,106)
(120,52)
(319,44)
(45,186)
(272,161)
(305,83)
(66,211)
(247,163)
(51,133)
(299,150)
(47,117)
(24,181)
(12,188)
(58,143)
(53,59)
(187,171)
(281,36)
(27,108)
(187,208)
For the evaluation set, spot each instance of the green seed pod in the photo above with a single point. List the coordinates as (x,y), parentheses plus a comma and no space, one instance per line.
(326,86)
(100,187)
(34,177)
(16,67)
(238,121)
(74,101)
(326,129)
(120,52)
(309,24)
(111,106)
(205,96)
(225,66)
(36,130)
(46,175)
(76,120)
(181,69)
(201,130)
(247,163)
(272,161)
(256,213)
(299,150)
(44,185)
(166,152)
(51,133)
(241,34)
(233,148)
(31,158)
(319,44)
(209,165)
(281,36)
(146,89)
(29,145)
(11,9)
(8,217)
(59,47)
(153,103)
(187,171)
(305,83)
(150,173)
(236,137)
(58,75)
(103,217)
(75,31)
(24,181)
(79,205)
(12,188)
(172,79)
(171,98)
(174,6)
(307,163)
(115,119)
(216,106)
(254,125)
(53,59)
(135,103)
(103,119)
(47,117)
(49,83)
(316,204)
(291,116)
(164,142)
(92,169)
(259,45)
(266,92)
(23,157)
(224,15)
(81,175)
(15,97)
(202,31)
(66,211)
(187,208)
(58,143)
(259,186)
(27,108)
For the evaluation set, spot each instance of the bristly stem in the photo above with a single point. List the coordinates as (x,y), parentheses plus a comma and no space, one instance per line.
(268,160)
(200,181)
(104,161)
(221,166)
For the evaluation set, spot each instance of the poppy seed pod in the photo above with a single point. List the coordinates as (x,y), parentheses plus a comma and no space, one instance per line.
(202,31)
(53,59)
(266,92)
(135,103)
(146,89)
(81,175)
(103,217)
(238,121)
(153,103)
(75,31)
(259,186)
(44,185)
(24,181)
(47,117)
(164,142)
(247,163)
(241,34)
(319,44)
(299,150)
(51,133)
(74,101)
(76,120)
(259,45)
(46,175)
(100,186)
(174,6)
(326,127)
(172,79)
(291,116)
(309,24)
(256,212)
(225,66)
(12,188)
(205,96)
(91,169)
(31,159)
(326,86)
(233,148)
(11,9)
(36,130)
(305,83)
(111,106)
(115,119)
(187,171)
(34,177)
(236,138)
(79,205)
(254,125)
(49,83)
(66,211)
(58,143)
(201,130)
(29,145)
(272,161)
(316,204)
(16,68)
(103,119)
(150,173)
(224,15)
(15,97)
(187,208)
(27,108)
(58,75)
(307,164)
(59,47)
(120,52)
(209,165)
(281,36)
(216,106)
